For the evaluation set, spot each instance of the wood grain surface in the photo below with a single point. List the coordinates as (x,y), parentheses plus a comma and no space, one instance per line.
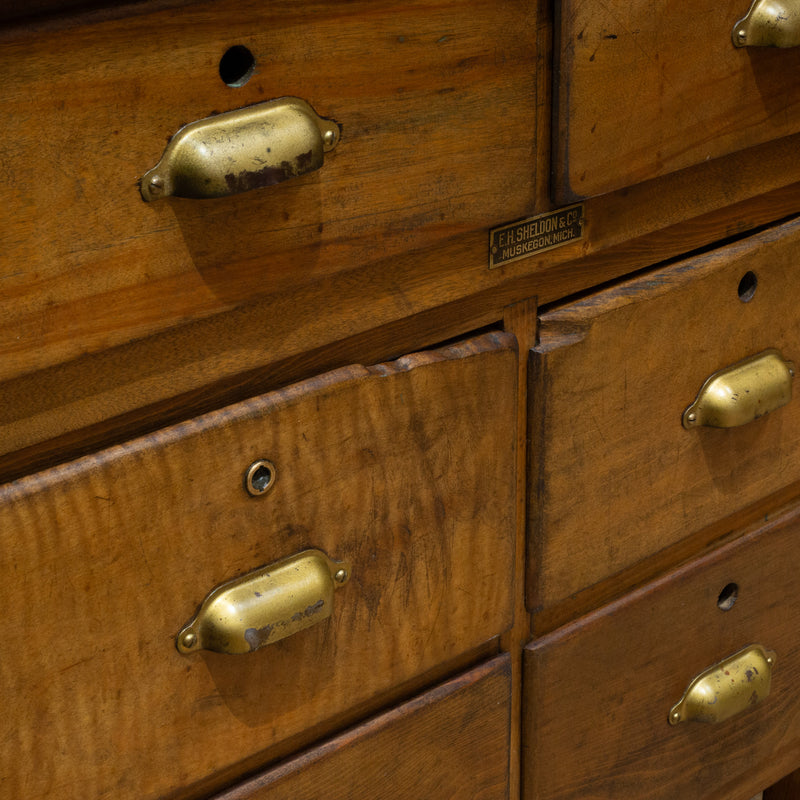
(171,320)
(648,87)
(599,691)
(433,101)
(615,478)
(449,743)
(405,469)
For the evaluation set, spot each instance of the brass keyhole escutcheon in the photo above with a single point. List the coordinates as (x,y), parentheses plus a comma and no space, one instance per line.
(259,477)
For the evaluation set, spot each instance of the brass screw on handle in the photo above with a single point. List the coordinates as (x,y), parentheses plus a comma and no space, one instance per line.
(156,184)
(341,576)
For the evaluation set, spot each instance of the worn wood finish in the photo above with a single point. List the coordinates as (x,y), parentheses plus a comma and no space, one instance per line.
(615,476)
(405,469)
(94,313)
(426,155)
(108,397)
(599,691)
(702,541)
(648,87)
(449,743)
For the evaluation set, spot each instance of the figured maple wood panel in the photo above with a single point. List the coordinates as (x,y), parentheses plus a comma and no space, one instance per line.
(449,743)
(647,87)
(615,476)
(405,469)
(599,691)
(433,101)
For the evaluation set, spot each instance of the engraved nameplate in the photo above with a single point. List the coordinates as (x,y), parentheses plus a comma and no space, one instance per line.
(535,235)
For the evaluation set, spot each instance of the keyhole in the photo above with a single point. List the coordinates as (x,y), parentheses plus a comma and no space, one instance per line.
(259,477)
(747,286)
(727,597)
(236,67)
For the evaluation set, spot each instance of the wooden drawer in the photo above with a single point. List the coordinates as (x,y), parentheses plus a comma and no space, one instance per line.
(600,692)
(88,109)
(405,470)
(645,88)
(616,477)
(451,742)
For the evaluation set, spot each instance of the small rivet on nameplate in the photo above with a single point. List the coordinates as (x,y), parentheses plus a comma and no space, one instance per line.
(189,639)
(329,138)
(156,184)
(340,576)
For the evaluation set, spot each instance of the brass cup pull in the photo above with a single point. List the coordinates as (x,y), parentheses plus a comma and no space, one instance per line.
(266,605)
(769,23)
(727,688)
(742,392)
(249,148)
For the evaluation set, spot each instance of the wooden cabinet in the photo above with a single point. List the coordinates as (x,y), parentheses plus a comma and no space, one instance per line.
(90,108)
(396,472)
(617,476)
(507,547)
(646,88)
(604,688)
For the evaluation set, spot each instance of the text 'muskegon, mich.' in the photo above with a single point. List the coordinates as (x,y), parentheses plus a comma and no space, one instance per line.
(535,235)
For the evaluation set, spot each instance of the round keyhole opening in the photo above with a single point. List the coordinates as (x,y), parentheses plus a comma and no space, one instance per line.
(236,67)
(259,478)
(747,286)
(727,597)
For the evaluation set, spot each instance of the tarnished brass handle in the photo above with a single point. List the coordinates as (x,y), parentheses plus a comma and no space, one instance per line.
(727,688)
(266,605)
(240,150)
(769,23)
(742,392)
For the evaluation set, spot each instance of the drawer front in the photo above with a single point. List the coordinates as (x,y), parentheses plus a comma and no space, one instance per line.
(600,692)
(405,471)
(451,742)
(648,88)
(616,477)
(423,158)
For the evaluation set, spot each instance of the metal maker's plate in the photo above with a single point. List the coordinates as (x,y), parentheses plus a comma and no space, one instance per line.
(535,235)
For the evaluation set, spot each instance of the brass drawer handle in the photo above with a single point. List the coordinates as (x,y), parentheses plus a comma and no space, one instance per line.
(240,150)
(769,23)
(266,605)
(742,392)
(727,688)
